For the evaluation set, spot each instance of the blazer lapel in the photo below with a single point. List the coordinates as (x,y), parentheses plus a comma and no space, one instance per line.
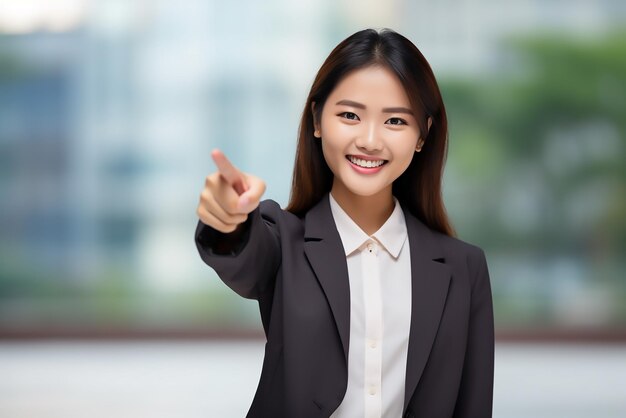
(324,250)
(430,279)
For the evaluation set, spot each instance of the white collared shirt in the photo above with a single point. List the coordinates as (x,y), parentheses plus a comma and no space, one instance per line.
(379,271)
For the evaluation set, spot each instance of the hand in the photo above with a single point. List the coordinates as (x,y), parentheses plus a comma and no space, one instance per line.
(229,195)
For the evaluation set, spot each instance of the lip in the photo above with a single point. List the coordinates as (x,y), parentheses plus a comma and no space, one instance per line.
(364,170)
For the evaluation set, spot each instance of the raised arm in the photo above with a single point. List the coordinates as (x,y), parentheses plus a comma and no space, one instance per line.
(232,236)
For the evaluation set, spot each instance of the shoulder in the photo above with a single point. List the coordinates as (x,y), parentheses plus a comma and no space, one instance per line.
(454,245)
(271,212)
(468,258)
(270,208)
(464,254)
(438,244)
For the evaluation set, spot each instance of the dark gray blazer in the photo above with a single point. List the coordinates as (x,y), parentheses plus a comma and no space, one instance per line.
(296,269)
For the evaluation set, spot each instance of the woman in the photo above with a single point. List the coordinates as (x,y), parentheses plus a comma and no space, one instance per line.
(370,306)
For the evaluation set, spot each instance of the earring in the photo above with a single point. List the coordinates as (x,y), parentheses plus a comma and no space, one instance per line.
(316,133)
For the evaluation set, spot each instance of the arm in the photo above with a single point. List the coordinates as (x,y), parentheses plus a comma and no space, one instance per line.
(237,234)
(475,397)
(248,258)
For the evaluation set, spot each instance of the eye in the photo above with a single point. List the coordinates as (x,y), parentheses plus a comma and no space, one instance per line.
(397,121)
(349,115)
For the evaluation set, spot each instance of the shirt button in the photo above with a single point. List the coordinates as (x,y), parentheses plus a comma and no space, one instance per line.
(373,390)
(370,247)
(373,343)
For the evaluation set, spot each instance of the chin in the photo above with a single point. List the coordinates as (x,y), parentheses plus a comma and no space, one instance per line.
(366,191)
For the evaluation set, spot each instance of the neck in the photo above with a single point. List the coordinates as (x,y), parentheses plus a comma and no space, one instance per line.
(368,212)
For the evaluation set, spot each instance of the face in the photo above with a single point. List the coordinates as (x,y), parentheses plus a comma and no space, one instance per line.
(368,131)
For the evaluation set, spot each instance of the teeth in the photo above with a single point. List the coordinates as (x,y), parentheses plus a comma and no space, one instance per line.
(365,163)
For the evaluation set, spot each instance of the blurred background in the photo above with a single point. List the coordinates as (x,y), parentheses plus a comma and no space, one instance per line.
(109,110)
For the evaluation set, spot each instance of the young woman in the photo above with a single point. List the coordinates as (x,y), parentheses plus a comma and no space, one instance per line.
(370,306)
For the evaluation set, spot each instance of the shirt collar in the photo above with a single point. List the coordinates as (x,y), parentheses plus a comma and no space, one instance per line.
(391,235)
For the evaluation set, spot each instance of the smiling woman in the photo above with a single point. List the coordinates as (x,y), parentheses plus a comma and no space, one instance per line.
(370,306)
(361,134)
(402,92)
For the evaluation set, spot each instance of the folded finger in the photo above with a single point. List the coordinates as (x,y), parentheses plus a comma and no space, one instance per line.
(213,221)
(223,212)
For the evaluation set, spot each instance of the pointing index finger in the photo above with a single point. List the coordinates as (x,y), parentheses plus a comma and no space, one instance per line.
(229,172)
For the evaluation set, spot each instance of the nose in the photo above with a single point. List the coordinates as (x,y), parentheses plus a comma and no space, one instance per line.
(369,139)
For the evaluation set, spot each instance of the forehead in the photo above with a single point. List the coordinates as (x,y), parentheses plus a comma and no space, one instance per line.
(376,86)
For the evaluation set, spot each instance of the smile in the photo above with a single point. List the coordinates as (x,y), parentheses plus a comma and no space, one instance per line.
(365,163)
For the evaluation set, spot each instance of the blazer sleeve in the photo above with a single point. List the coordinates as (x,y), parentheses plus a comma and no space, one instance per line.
(248,259)
(475,397)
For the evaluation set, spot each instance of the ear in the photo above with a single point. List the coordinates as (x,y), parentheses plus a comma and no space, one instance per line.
(316,125)
(420,141)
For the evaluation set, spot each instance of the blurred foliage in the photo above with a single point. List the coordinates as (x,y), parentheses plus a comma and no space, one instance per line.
(551,123)
(541,146)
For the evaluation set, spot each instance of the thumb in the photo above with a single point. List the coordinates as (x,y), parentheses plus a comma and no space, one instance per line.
(249,200)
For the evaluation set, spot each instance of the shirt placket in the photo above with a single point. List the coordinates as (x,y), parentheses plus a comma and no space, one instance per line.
(373,331)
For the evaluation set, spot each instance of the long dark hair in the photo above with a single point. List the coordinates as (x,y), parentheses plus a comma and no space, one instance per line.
(419,187)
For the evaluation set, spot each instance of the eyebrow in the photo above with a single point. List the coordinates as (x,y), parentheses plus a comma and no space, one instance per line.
(385,110)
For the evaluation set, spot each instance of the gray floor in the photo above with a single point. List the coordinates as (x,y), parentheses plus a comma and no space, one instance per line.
(218,379)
